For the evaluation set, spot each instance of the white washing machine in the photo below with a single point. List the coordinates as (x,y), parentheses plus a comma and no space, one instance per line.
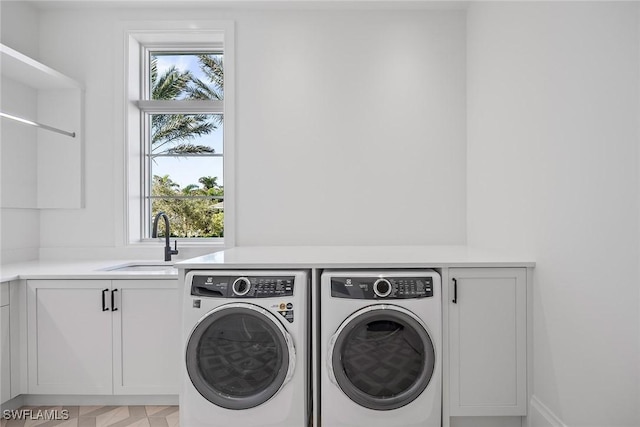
(380,349)
(245,349)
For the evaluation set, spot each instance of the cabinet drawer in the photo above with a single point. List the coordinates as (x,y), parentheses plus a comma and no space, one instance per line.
(4,294)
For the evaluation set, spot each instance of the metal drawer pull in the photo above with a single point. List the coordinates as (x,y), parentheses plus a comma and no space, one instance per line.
(113,300)
(104,307)
(455,291)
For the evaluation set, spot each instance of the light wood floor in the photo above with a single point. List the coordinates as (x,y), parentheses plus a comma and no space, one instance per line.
(93,416)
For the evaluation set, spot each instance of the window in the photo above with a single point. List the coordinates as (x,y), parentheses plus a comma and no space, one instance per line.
(183,141)
(178,135)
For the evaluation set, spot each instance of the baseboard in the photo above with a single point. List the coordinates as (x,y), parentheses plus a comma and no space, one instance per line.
(541,416)
(12,404)
(485,421)
(106,400)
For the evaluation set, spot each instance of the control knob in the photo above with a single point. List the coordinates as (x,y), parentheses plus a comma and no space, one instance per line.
(382,288)
(241,286)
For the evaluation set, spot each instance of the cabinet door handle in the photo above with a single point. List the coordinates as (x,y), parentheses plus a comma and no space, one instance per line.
(104,306)
(455,291)
(113,300)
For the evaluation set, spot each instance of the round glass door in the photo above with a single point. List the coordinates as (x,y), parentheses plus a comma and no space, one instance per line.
(382,357)
(239,356)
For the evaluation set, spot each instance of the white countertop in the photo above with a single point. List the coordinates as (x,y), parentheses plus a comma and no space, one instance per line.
(81,270)
(354,257)
(268,257)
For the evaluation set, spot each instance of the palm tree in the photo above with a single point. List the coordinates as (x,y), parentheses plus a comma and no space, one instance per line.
(171,133)
(212,67)
(210,186)
(163,186)
(190,189)
(208,182)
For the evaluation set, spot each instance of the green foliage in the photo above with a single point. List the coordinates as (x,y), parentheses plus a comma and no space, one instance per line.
(212,67)
(171,84)
(201,217)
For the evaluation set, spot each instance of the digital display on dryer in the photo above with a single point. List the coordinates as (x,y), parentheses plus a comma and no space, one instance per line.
(364,287)
(253,287)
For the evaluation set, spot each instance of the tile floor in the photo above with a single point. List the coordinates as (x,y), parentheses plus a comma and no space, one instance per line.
(92,416)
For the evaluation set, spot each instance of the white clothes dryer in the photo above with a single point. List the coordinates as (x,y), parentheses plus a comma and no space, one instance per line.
(380,349)
(245,349)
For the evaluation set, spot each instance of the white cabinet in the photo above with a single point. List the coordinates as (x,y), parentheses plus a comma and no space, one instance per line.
(103,337)
(69,337)
(146,344)
(5,344)
(488,346)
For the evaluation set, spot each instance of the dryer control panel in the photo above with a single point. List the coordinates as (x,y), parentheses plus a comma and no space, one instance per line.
(242,286)
(381,287)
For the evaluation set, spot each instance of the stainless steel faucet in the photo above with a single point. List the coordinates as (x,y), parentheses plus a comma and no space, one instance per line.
(167,233)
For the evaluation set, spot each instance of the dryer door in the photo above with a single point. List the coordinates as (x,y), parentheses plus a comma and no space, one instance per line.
(239,355)
(382,357)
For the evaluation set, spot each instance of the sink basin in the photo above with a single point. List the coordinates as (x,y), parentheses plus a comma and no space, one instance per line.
(144,268)
(159,268)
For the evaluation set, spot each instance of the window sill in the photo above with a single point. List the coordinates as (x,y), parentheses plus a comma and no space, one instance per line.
(192,243)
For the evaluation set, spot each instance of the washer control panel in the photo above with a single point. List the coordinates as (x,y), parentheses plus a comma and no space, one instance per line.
(242,286)
(381,287)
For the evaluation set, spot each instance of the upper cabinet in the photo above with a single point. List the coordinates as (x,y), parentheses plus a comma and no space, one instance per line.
(42,166)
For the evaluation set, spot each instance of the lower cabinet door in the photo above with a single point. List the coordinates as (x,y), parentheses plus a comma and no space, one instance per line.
(69,337)
(5,355)
(487,335)
(146,337)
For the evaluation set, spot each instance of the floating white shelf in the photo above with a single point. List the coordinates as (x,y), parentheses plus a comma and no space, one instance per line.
(24,69)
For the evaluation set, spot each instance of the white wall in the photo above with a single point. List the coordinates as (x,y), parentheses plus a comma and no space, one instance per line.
(20,27)
(350,124)
(351,128)
(19,224)
(553,171)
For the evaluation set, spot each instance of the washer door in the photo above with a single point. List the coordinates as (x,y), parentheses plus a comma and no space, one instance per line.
(382,357)
(239,356)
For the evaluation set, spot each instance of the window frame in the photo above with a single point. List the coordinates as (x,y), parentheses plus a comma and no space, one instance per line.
(173,37)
